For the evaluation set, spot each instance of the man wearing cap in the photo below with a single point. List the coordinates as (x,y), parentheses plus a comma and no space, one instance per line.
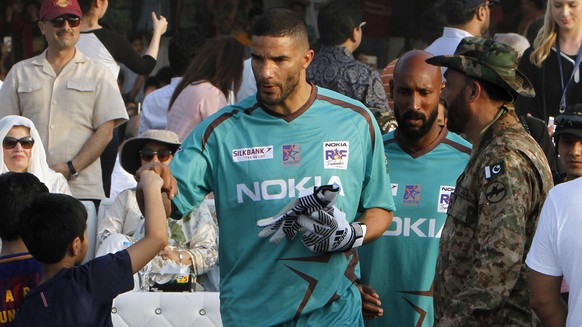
(480,277)
(73,101)
(568,140)
(555,251)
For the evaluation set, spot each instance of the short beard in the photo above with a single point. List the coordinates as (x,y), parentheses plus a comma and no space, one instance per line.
(286,89)
(457,117)
(412,132)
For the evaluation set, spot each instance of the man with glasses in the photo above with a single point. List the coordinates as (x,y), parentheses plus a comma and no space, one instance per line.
(334,67)
(73,101)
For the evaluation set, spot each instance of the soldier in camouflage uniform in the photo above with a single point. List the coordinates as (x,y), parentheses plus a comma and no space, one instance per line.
(480,275)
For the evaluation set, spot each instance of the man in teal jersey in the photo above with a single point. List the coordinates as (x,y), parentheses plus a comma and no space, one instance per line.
(259,155)
(425,161)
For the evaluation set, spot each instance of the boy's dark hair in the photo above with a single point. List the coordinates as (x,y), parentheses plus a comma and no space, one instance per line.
(456,12)
(50,224)
(337,19)
(18,191)
(280,22)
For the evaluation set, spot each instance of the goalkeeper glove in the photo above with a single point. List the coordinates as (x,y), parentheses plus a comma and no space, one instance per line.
(284,223)
(331,232)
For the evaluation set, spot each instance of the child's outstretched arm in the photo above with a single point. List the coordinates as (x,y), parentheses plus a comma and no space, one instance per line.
(156,226)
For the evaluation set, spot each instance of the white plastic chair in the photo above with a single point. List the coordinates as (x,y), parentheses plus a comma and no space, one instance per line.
(91,228)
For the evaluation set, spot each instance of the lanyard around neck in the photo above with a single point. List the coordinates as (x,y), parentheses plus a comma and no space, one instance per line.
(574,70)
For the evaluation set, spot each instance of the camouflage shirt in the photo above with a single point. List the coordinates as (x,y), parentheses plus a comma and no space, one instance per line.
(480,275)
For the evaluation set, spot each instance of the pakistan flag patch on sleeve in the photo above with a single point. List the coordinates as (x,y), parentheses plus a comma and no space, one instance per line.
(494,170)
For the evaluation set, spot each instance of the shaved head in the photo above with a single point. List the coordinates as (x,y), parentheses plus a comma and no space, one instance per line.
(416,88)
(415,59)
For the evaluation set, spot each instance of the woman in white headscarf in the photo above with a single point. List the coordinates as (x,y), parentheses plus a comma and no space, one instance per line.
(22,151)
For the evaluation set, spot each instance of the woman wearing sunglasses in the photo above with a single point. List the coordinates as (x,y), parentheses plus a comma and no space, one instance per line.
(22,151)
(192,241)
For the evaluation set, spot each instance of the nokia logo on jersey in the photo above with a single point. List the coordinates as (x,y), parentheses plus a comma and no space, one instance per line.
(281,188)
(407,227)
(335,144)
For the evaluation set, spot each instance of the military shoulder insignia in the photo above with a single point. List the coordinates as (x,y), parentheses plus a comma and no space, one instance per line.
(495,192)
(492,171)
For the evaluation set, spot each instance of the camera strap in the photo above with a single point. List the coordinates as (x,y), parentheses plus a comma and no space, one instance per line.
(574,71)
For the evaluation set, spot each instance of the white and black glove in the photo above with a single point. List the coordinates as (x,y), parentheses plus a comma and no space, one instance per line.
(331,232)
(284,223)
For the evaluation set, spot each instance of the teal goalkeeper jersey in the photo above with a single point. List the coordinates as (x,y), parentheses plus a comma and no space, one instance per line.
(256,163)
(400,265)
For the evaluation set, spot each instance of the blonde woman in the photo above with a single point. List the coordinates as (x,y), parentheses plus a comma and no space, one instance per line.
(551,64)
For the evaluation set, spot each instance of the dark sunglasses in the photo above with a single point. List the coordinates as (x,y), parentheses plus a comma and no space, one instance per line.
(10,142)
(148,155)
(59,22)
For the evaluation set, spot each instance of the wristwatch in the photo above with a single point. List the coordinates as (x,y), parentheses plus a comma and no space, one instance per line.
(72,169)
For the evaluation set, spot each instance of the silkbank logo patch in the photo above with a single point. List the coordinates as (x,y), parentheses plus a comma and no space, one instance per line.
(335,154)
(256,153)
(444,197)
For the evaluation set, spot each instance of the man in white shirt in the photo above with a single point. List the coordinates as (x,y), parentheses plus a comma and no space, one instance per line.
(74,101)
(464,18)
(555,253)
(556,247)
